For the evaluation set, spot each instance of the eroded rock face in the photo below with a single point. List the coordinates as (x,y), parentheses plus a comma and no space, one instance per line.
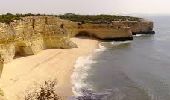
(105,31)
(117,30)
(7,52)
(33,34)
(137,27)
(54,31)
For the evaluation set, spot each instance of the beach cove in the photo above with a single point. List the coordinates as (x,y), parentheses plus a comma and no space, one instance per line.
(15,76)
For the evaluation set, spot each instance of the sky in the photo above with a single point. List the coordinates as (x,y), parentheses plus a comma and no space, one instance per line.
(86,6)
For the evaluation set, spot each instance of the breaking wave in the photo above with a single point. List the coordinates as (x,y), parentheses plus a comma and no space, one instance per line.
(120,43)
(83,65)
(80,73)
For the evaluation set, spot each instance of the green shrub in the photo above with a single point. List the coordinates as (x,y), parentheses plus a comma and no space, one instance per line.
(96,18)
(7,18)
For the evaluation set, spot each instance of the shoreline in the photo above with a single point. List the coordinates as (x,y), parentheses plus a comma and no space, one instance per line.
(49,64)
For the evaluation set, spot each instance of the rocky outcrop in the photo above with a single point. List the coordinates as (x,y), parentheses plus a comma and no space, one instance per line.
(105,31)
(32,34)
(116,30)
(137,27)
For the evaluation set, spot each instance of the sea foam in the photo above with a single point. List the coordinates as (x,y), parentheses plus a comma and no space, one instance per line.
(138,35)
(119,43)
(80,73)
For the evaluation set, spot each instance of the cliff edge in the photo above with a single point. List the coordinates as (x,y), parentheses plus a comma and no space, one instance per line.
(110,27)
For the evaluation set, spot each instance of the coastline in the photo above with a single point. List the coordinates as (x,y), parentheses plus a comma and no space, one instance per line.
(19,75)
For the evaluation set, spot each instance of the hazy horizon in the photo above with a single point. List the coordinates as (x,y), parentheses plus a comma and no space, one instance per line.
(132,7)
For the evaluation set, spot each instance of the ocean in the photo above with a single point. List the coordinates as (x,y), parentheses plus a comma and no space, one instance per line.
(130,70)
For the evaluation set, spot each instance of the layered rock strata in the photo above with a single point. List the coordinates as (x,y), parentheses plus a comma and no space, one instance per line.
(117,30)
(105,32)
(33,34)
(137,27)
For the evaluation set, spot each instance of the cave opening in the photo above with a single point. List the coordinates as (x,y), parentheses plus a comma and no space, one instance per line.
(21,49)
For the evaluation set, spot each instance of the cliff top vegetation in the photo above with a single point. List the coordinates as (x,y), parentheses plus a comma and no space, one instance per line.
(7,18)
(97,18)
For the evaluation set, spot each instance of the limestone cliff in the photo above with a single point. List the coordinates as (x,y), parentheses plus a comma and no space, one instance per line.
(32,34)
(117,25)
(137,27)
(116,30)
(105,31)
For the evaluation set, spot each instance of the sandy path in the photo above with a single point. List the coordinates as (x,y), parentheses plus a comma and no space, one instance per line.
(23,72)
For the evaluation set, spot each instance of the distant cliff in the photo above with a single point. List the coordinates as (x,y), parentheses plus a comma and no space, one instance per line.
(105,32)
(110,26)
(116,30)
(137,27)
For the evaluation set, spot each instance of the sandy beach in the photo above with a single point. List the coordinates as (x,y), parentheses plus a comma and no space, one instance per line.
(22,73)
